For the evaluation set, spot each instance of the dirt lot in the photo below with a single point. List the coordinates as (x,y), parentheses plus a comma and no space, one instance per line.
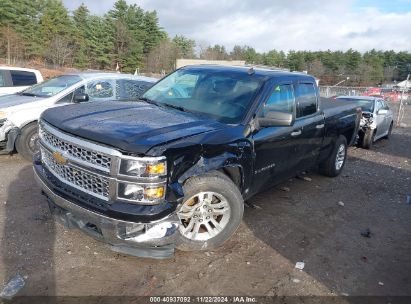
(306,224)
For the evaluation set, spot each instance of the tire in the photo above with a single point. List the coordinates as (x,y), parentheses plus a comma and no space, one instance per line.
(27,141)
(389,131)
(368,139)
(335,162)
(201,193)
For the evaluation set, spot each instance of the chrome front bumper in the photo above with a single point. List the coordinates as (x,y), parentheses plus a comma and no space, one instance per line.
(152,240)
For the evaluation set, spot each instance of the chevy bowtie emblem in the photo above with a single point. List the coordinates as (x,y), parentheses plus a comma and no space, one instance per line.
(59,158)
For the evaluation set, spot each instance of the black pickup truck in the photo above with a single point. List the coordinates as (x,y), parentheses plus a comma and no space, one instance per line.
(173,170)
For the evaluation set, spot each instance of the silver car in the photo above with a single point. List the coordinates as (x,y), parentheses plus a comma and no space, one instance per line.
(20,112)
(377,119)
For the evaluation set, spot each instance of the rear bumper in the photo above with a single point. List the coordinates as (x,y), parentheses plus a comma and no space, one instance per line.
(152,240)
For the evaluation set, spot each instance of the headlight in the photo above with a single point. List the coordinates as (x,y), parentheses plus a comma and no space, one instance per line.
(153,167)
(6,124)
(140,193)
(3,115)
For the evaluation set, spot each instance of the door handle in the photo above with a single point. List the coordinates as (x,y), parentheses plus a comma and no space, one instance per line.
(296,133)
(320,126)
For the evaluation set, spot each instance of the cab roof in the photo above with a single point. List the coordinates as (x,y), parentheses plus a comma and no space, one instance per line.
(258,71)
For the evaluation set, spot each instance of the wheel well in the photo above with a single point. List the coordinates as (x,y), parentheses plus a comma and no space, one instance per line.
(28,123)
(22,128)
(235,174)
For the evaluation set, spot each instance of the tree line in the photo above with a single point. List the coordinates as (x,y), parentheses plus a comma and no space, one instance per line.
(131,38)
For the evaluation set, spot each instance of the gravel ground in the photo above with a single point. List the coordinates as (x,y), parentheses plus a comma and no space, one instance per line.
(318,222)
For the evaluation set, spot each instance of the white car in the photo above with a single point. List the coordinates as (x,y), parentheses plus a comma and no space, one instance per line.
(13,79)
(20,112)
(377,119)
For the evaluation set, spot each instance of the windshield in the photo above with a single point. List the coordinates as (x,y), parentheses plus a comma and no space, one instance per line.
(366,105)
(220,95)
(52,86)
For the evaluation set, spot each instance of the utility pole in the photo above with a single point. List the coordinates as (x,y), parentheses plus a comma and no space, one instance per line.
(401,109)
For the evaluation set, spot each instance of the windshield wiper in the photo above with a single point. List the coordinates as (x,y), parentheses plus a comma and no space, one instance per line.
(174,107)
(160,104)
(28,94)
(149,101)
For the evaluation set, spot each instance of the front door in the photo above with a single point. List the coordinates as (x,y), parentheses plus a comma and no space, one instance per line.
(380,119)
(276,148)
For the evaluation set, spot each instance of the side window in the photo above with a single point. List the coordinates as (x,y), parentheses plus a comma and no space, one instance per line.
(306,99)
(101,89)
(23,78)
(69,97)
(280,100)
(2,79)
(127,89)
(380,105)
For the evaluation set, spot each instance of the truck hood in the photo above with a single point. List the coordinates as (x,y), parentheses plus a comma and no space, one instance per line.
(134,127)
(7,101)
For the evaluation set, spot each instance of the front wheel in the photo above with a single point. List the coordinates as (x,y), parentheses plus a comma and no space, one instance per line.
(335,162)
(389,131)
(211,212)
(27,141)
(369,138)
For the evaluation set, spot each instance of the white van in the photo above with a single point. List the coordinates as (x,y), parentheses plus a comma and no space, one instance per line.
(13,80)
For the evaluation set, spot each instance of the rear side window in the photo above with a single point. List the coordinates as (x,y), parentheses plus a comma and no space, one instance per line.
(306,99)
(280,100)
(2,80)
(131,89)
(23,78)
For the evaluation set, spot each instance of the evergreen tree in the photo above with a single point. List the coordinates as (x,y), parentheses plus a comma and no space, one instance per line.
(184,46)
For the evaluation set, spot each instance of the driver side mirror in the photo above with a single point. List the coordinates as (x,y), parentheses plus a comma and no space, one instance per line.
(276,119)
(80,97)
(382,112)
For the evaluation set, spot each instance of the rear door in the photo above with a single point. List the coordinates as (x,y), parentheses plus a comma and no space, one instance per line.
(276,149)
(309,124)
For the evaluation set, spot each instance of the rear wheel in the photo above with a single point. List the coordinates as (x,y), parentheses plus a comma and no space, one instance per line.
(334,164)
(27,141)
(211,212)
(369,138)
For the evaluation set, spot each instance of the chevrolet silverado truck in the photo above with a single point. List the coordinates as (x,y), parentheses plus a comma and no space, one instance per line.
(174,169)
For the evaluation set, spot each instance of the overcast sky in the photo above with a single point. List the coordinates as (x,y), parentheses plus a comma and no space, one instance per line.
(281,25)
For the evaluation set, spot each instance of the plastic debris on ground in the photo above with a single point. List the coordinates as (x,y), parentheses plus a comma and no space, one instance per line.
(341,203)
(300,265)
(12,287)
(366,233)
(306,178)
(252,206)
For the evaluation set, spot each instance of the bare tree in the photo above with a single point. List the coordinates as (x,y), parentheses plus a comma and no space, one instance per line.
(162,58)
(60,50)
(12,44)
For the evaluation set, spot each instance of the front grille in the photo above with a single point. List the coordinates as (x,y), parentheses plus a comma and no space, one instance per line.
(98,159)
(85,181)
